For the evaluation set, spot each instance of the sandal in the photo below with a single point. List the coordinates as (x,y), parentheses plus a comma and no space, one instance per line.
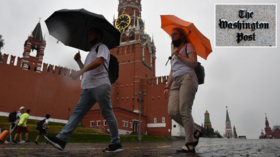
(197,137)
(187,151)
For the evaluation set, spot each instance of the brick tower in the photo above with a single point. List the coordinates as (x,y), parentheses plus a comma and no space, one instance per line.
(136,53)
(228,133)
(35,41)
(267,128)
(207,122)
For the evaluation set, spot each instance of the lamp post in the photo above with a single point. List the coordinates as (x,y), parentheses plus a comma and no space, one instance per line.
(140,100)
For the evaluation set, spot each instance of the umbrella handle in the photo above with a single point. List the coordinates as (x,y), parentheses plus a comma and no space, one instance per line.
(169,58)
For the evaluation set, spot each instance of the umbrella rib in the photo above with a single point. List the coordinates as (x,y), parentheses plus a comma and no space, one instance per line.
(72,35)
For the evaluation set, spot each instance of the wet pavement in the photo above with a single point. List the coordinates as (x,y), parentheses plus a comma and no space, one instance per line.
(205,148)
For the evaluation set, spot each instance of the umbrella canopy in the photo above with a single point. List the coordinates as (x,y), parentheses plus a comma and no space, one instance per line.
(71,27)
(200,42)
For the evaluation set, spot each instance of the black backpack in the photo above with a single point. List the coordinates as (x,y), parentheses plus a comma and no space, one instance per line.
(13,116)
(199,70)
(40,124)
(113,67)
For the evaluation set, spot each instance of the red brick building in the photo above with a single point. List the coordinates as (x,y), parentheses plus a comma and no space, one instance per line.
(274,133)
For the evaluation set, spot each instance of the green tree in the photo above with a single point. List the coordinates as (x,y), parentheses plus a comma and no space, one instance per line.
(1,43)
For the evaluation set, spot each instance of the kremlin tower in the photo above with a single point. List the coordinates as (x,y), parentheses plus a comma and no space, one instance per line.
(228,132)
(36,42)
(207,122)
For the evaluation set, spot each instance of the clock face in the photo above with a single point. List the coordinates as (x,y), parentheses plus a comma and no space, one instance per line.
(141,23)
(122,22)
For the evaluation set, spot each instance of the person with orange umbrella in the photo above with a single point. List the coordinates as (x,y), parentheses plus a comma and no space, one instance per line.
(182,82)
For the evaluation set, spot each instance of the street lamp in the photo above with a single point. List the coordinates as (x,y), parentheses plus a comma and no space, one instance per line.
(140,100)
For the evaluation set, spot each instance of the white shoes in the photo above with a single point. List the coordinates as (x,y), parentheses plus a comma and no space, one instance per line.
(6,142)
(22,141)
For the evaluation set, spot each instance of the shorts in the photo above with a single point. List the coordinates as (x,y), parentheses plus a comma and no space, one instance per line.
(42,131)
(13,125)
(22,129)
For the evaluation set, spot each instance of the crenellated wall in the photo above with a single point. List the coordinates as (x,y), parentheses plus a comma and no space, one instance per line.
(52,91)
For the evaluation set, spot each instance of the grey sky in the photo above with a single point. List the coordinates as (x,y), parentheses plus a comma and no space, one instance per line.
(244,79)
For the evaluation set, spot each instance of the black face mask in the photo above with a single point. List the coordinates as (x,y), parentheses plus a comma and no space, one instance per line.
(177,43)
(93,42)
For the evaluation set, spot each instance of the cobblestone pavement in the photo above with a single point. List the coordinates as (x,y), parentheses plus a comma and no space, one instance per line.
(206,147)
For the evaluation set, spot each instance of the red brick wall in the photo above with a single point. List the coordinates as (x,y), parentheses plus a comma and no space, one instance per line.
(276,133)
(43,93)
(120,114)
(155,105)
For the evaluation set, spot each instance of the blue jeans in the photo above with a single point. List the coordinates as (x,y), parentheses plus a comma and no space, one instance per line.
(89,97)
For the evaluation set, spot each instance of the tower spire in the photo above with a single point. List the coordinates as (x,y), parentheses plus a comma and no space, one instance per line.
(37,32)
(227,116)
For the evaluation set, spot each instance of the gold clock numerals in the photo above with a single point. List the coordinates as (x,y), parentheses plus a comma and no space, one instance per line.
(123,21)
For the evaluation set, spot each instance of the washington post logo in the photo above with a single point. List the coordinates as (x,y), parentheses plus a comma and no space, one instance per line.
(224,24)
(247,25)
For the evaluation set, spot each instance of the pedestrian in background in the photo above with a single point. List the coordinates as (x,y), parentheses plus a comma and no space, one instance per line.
(22,127)
(14,124)
(42,129)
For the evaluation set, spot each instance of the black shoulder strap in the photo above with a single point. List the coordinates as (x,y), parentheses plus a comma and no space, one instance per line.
(97,48)
(186,51)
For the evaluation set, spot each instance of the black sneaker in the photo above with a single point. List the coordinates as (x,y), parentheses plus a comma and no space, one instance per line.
(27,141)
(14,142)
(114,148)
(56,142)
(36,143)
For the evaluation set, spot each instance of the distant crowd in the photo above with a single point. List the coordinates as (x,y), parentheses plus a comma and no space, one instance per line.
(18,121)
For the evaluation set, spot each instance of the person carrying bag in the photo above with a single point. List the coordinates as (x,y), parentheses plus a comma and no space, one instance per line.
(182,86)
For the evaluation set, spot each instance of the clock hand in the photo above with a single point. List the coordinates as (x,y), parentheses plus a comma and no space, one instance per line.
(122,22)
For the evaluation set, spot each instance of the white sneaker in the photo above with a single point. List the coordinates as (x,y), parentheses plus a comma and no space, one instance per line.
(7,142)
(22,141)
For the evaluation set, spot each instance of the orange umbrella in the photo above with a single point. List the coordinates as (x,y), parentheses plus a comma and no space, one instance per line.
(200,42)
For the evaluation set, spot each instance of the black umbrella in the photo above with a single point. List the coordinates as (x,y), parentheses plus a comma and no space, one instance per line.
(71,27)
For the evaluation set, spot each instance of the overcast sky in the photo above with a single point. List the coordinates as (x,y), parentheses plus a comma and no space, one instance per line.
(244,79)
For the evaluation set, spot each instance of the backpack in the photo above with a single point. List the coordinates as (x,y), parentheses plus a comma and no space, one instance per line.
(13,116)
(199,70)
(113,67)
(40,124)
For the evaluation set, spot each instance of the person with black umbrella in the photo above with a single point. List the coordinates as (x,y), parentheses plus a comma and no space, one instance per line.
(97,87)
